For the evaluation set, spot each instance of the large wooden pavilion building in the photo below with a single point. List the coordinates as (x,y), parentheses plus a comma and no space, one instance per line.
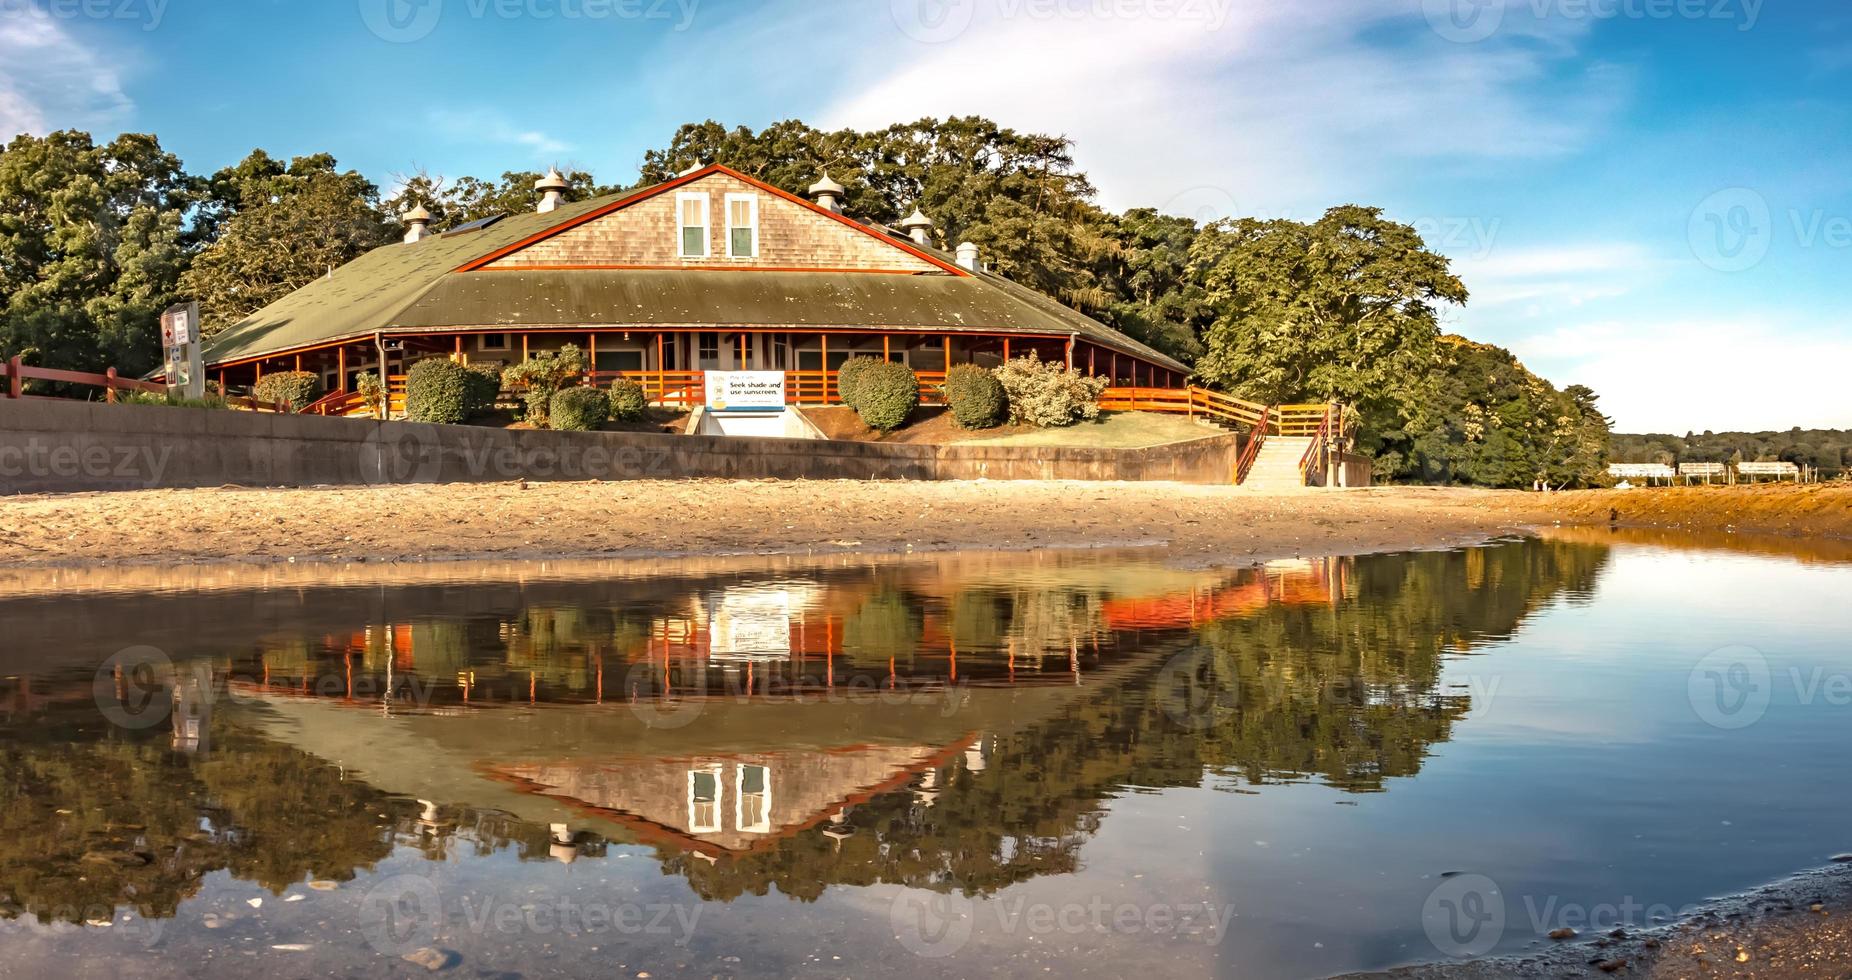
(713,270)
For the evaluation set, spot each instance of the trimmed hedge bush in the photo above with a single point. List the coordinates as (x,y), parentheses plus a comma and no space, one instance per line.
(849,378)
(886,394)
(579,409)
(975,396)
(1046,394)
(485,386)
(438,390)
(628,402)
(297,389)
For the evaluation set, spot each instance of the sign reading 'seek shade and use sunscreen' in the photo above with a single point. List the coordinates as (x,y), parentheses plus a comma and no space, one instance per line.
(745,391)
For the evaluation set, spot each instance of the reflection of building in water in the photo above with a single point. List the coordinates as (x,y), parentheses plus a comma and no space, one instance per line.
(754,622)
(912,627)
(740,803)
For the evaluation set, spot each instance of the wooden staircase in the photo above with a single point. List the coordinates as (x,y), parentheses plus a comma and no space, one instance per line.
(1277,468)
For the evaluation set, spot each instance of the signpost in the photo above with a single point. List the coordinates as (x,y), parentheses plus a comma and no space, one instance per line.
(746,392)
(182,351)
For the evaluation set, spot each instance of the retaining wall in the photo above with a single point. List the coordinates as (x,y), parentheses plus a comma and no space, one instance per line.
(54,445)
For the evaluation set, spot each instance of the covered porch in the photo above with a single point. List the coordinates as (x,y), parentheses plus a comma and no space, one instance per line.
(671,365)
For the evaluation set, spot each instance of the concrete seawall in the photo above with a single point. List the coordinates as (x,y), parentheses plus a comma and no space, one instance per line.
(49,445)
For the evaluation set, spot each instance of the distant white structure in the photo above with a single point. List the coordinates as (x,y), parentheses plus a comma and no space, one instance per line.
(1780,471)
(1642,471)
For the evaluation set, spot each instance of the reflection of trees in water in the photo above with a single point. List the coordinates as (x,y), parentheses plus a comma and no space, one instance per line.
(1347,693)
(96,819)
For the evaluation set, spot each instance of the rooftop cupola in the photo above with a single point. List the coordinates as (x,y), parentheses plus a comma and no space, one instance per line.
(417,224)
(828,194)
(918,227)
(968,256)
(552,190)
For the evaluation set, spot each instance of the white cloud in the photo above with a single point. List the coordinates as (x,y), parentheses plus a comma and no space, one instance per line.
(1550,279)
(51,80)
(1695,373)
(479,127)
(1282,109)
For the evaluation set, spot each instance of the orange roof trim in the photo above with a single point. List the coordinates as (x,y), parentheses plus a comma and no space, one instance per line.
(683,181)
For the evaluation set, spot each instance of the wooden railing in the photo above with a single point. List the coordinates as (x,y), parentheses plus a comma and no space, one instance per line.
(339,403)
(1300,420)
(1190,401)
(1312,464)
(17,373)
(1251,452)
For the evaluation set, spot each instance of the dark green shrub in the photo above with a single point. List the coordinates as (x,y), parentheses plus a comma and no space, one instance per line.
(975,397)
(579,409)
(628,402)
(297,389)
(437,391)
(849,376)
(484,384)
(886,394)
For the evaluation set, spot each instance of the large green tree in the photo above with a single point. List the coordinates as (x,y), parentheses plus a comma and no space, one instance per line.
(1340,309)
(1482,418)
(91,248)
(278,228)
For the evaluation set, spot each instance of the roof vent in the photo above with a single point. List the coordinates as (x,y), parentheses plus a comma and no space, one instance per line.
(828,193)
(918,227)
(552,190)
(417,223)
(967,256)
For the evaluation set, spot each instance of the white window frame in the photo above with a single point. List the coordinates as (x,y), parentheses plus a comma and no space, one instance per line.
(720,800)
(763,825)
(707,224)
(753,201)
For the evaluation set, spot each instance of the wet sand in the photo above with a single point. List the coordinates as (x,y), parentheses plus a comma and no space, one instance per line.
(1799,929)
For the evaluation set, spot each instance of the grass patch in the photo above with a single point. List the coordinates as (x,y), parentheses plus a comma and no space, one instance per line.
(934,427)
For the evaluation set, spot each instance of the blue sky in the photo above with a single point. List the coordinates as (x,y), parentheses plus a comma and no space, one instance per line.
(1646,196)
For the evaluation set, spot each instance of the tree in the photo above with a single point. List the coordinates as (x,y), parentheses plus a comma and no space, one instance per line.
(1481,418)
(279,230)
(91,248)
(1342,309)
(473,199)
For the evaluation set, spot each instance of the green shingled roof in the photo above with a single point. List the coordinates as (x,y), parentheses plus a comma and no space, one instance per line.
(415,288)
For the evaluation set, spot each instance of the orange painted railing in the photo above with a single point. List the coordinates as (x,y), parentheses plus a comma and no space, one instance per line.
(1300,420)
(340,403)
(1190,401)
(1312,462)
(1251,452)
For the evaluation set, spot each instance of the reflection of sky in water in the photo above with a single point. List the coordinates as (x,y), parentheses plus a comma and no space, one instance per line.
(1289,759)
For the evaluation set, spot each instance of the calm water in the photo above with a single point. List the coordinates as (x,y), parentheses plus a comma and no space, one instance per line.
(1077,764)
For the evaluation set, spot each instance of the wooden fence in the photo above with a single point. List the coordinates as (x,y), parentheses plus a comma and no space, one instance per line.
(17,373)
